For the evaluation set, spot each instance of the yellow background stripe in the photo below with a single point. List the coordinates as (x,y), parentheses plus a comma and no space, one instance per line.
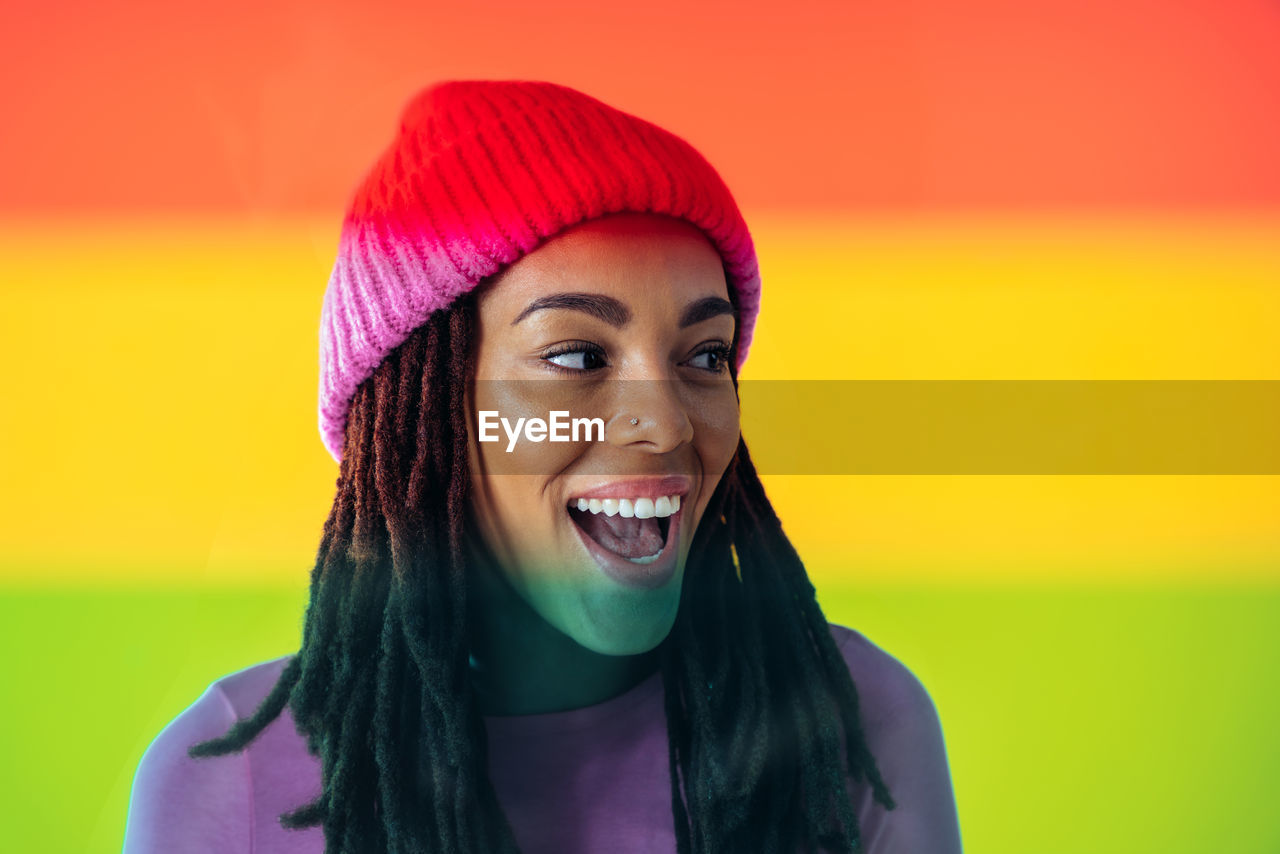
(159,406)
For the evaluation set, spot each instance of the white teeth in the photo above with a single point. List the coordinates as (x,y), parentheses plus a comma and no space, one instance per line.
(638,508)
(646,560)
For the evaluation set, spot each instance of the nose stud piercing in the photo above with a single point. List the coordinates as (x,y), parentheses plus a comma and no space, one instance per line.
(635,421)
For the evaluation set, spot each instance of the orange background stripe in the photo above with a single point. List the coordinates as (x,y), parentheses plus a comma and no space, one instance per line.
(261,107)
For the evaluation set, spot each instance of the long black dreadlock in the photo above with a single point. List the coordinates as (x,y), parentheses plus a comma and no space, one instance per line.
(758,697)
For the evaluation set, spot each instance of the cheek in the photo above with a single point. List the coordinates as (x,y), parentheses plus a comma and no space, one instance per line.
(516,504)
(717,429)
(716,434)
(508,439)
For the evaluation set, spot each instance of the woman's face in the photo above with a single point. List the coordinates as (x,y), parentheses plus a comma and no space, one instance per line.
(624,319)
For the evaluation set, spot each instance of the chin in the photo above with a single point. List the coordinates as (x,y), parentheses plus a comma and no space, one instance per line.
(630,624)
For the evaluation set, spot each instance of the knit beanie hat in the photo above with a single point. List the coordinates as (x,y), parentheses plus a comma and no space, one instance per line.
(480,174)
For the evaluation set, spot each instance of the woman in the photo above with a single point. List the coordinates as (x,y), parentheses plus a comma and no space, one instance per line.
(605,644)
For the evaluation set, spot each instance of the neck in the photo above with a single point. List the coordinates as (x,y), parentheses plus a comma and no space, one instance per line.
(522,665)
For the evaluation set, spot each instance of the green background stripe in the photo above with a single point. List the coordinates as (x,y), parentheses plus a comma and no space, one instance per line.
(1077,720)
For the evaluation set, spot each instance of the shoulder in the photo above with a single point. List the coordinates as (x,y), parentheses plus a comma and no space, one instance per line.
(246,688)
(888,691)
(904,735)
(180,803)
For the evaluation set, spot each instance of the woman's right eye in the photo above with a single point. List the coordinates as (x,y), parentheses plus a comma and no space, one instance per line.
(576,357)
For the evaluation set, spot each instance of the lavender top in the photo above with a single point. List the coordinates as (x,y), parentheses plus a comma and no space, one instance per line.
(586,780)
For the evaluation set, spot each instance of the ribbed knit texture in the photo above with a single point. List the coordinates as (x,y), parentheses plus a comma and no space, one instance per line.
(481,173)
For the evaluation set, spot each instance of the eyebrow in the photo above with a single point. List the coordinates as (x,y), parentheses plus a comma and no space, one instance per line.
(598,306)
(705,309)
(614,313)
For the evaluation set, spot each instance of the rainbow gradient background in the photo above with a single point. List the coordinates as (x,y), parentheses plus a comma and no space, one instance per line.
(987,189)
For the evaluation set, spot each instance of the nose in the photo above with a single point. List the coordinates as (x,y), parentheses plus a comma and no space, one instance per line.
(650,414)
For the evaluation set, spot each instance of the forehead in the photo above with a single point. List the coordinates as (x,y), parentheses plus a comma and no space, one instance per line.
(620,255)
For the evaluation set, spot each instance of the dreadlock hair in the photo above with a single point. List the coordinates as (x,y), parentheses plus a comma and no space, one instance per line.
(762,714)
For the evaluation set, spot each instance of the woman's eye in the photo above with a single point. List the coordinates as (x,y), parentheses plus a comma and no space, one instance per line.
(714,359)
(577,360)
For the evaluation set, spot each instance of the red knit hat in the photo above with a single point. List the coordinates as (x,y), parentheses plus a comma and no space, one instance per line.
(481,173)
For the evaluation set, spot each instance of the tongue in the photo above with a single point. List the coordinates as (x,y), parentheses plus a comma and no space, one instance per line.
(629,538)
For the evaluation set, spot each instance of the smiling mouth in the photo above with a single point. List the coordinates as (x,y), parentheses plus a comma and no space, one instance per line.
(633,529)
